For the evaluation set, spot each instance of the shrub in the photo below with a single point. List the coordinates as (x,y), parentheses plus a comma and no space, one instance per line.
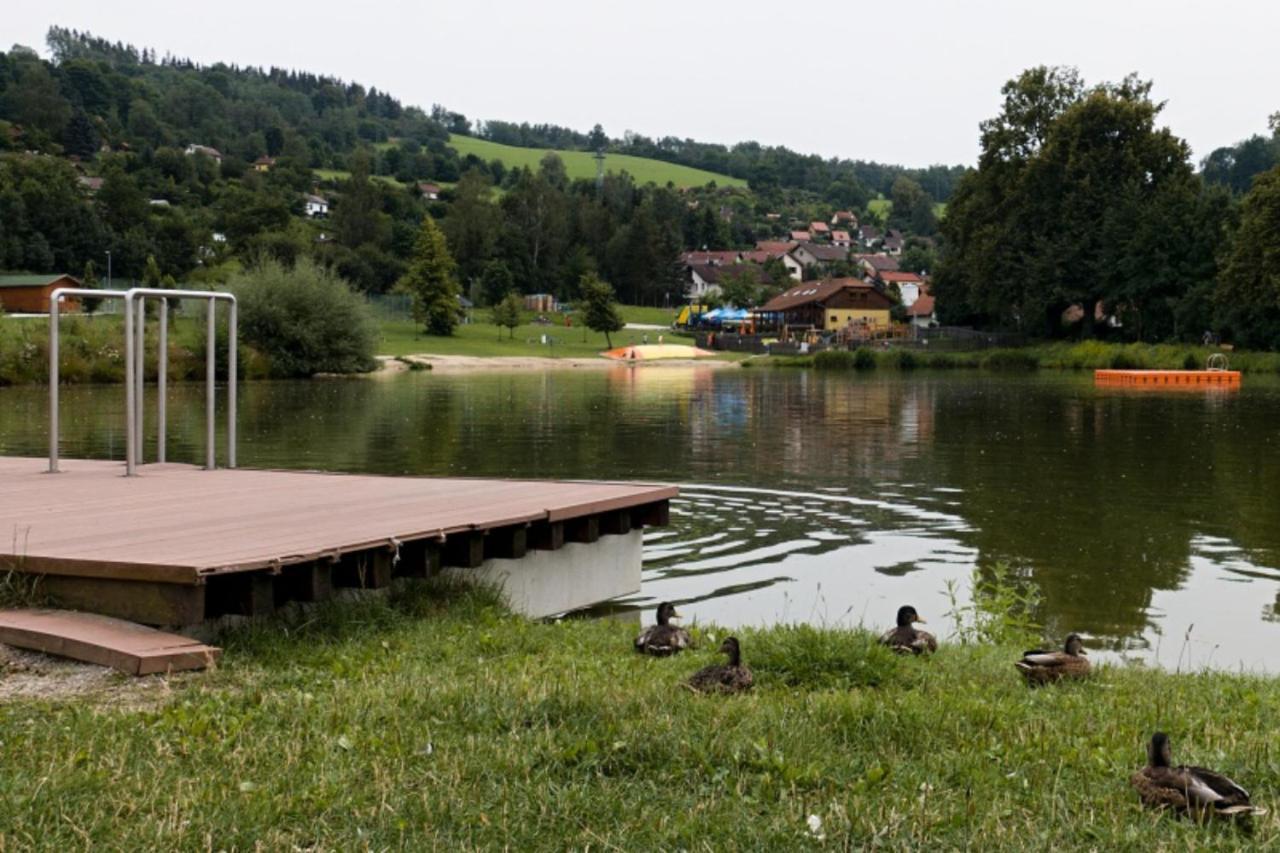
(304,320)
(1190,362)
(1124,360)
(1009,359)
(833,359)
(902,359)
(864,359)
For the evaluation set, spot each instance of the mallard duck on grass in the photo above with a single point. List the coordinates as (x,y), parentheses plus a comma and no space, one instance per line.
(1195,791)
(1046,667)
(732,677)
(663,639)
(906,639)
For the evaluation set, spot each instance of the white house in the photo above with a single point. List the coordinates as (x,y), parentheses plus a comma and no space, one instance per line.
(921,313)
(315,206)
(213,153)
(910,285)
(704,280)
(430,192)
(816,254)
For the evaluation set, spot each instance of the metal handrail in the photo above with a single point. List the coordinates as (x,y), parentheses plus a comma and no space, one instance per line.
(135,356)
(55,299)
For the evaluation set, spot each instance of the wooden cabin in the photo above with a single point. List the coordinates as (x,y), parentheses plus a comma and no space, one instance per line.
(29,294)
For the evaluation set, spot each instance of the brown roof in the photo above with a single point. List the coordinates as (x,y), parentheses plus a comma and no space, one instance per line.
(811,292)
(758,256)
(879,263)
(922,307)
(843,216)
(824,252)
(718,257)
(820,227)
(899,277)
(841,237)
(775,247)
(800,236)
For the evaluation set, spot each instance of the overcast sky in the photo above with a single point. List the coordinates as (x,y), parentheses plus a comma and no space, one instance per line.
(900,82)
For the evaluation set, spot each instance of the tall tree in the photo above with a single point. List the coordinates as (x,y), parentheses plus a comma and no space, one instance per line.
(1248,293)
(430,281)
(600,312)
(472,224)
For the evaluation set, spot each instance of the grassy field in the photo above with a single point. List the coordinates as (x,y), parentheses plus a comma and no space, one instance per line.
(436,721)
(582,164)
(881,207)
(401,336)
(340,175)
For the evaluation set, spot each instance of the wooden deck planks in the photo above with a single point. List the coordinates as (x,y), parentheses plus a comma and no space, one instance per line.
(177,523)
(128,647)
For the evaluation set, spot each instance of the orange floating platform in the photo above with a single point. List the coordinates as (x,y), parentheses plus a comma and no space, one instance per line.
(1168,378)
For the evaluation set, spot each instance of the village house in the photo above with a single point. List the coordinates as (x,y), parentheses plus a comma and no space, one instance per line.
(841,239)
(800,236)
(264,163)
(828,305)
(315,206)
(868,236)
(893,242)
(430,192)
(909,284)
(713,258)
(29,294)
(212,153)
(874,264)
(89,185)
(921,313)
(819,231)
(843,218)
(818,254)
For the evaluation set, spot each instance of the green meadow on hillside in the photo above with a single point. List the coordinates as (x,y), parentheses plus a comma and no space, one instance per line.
(582,164)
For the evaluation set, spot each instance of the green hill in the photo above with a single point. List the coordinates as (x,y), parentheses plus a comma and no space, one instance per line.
(582,164)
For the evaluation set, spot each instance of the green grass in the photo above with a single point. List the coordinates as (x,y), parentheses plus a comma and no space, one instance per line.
(881,207)
(436,721)
(582,164)
(342,175)
(401,336)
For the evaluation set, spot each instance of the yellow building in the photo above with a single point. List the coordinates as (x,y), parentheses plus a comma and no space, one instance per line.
(831,305)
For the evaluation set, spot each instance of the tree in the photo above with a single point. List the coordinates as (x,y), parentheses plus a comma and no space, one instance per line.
(740,285)
(89,281)
(600,312)
(430,281)
(472,224)
(597,140)
(1248,292)
(508,311)
(496,282)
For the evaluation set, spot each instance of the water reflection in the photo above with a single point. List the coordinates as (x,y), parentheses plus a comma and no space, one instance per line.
(811,497)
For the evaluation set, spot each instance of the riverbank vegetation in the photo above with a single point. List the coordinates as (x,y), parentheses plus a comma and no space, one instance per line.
(1063,355)
(435,719)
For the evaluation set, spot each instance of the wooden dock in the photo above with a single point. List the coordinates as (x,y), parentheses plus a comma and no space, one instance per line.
(178,544)
(124,646)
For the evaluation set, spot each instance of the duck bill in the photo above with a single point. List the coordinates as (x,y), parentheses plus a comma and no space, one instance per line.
(921,620)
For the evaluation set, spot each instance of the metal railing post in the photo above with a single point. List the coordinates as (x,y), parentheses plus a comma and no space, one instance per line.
(210,455)
(53,383)
(130,447)
(139,365)
(162,380)
(231,380)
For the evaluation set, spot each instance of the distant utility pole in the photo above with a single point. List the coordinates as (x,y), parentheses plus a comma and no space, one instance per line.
(599,170)
(108,269)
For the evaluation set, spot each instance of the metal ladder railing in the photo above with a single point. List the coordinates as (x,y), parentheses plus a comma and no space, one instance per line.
(135,357)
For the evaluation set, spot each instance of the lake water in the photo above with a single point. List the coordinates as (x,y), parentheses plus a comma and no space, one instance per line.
(1149,521)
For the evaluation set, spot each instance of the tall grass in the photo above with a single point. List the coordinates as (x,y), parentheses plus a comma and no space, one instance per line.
(436,721)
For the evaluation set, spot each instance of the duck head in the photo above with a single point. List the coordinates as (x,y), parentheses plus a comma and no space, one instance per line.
(907,616)
(667,612)
(1074,645)
(730,647)
(1158,752)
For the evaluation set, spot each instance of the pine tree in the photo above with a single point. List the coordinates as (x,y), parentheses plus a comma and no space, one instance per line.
(600,311)
(430,281)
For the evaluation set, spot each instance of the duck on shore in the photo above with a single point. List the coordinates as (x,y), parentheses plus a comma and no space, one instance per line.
(662,638)
(732,677)
(1195,791)
(1045,667)
(906,638)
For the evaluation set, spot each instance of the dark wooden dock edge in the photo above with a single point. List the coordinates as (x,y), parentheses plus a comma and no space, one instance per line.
(260,592)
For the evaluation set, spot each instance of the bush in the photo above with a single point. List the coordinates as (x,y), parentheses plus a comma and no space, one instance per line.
(1123,360)
(864,359)
(304,320)
(833,359)
(1008,359)
(902,359)
(1190,362)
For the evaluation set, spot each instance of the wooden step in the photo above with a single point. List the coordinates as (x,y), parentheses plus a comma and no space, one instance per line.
(125,646)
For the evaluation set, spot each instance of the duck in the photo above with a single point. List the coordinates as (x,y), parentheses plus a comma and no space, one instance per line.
(1046,667)
(662,638)
(906,639)
(1195,791)
(732,677)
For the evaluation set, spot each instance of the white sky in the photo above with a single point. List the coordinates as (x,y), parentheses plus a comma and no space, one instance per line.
(900,82)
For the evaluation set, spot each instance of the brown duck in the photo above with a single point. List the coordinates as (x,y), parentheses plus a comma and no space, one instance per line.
(732,677)
(906,639)
(1195,791)
(663,639)
(1046,667)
